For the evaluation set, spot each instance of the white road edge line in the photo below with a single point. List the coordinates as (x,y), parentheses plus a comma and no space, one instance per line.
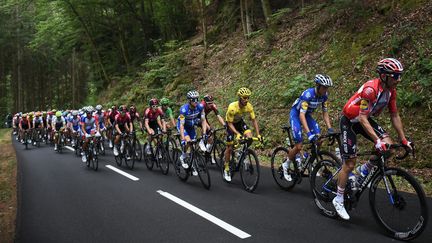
(122,173)
(70,148)
(224,225)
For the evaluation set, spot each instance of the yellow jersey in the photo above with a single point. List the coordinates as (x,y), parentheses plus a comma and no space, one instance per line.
(235,113)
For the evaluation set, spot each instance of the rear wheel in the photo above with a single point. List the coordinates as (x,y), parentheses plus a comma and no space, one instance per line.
(129,155)
(218,150)
(403,210)
(250,171)
(138,150)
(163,158)
(181,172)
(148,158)
(279,156)
(323,180)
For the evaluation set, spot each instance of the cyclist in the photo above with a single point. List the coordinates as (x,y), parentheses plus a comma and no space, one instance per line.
(37,123)
(236,127)
(301,116)
(100,117)
(209,106)
(191,115)
(369,101)
(153,121)
(135,116)
(122,124)
(112,115)
(89,125)
(24,125)
(15,123)
(58,123)
(169,115)
(74,125)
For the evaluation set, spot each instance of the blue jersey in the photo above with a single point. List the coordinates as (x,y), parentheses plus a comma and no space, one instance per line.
(309,101)
(190,117)
(75,122)
(89,123)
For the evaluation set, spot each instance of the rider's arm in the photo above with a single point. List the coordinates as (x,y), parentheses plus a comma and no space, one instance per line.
(397,124)
(203,122)
(231,126)
(255,124)
(82,128)
(221,120)
(326,119)
(146,125)
(117,128)
(303,121)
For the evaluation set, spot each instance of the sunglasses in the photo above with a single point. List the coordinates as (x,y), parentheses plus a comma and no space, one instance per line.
(193,100)
(245,98)
(154,106)
(395,76)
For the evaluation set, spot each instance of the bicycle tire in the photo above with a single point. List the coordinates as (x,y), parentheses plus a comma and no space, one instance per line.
(250,170)
(182,173)
(163,159)
(138,150)
(170,148)
(118,158)
(217,151)
(95,162)
(322,173)
(202,170)
(148,159)
(129,151)
(101,147)
(409,225)
(278,157)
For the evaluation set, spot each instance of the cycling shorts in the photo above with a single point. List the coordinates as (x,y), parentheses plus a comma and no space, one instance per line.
(296,127)
(240,126)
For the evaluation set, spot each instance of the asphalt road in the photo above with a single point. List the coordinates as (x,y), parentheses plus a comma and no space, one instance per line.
(61,200)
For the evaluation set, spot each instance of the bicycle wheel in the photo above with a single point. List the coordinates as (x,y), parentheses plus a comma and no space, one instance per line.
(182,173)
(129,155)
(217,151)
(201,167)
(101,147)
(279,156)
(148,159)
(170,148)
(250,171)
(89,158)
(323,180)
(138,150)
(402,211)
(119,157)
(95,162)
(163,159)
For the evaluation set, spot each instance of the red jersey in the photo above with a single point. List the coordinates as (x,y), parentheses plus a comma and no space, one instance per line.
(134,115)
(209,108)
(122,120)
(112,115)
(152,115)
(370,100)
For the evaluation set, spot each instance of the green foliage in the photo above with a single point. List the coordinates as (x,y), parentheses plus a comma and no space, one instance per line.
(295,87)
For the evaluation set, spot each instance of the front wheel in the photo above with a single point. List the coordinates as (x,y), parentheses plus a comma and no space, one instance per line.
(279,156)
(130,156)
(218,150)
(250,171)
(398,203)
(148,158)
(182,173)
(202,170)
(323,180)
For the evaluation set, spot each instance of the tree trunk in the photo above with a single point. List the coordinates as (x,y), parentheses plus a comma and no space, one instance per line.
(20,104)
(267,10)
(204,24)
(248,17)
(90,37)
(243,21)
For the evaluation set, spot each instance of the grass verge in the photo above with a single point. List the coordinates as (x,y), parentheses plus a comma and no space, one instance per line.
(8,186)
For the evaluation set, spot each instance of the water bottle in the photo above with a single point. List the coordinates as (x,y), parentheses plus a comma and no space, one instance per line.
(288,142)
(299,160)
(338,154)
(353,181)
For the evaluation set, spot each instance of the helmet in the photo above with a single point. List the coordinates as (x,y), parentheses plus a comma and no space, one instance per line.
(122,108)
(323,80)
(91,108)
(54,111)
(98,107)
(244,92)
(25,115)
(88,109)
(132,108)
(208,98)
(114,107)
(65,113)
(74,113)
(193,94)
(389,66)
(153,101)
(164,101)
(58,114)
(38,113)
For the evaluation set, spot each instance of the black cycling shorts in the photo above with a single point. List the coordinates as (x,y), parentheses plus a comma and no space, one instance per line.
(349,131)
(240,126)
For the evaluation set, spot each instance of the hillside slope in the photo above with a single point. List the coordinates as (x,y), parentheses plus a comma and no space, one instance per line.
(342,40)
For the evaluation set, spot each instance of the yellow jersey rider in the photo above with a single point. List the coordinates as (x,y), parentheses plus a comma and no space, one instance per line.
(236,127)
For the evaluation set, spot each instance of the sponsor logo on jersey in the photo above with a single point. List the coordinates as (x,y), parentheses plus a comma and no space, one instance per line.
(364,105)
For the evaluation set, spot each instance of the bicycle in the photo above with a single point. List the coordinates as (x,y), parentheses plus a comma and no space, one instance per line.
(196,161)
(60,141)
(245,161)
(172,144)
(137,147)
(26,138)
(158,154)
(92,152)
(298,171)
(392,192)
(37,137)
(126,152)
(217,148)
